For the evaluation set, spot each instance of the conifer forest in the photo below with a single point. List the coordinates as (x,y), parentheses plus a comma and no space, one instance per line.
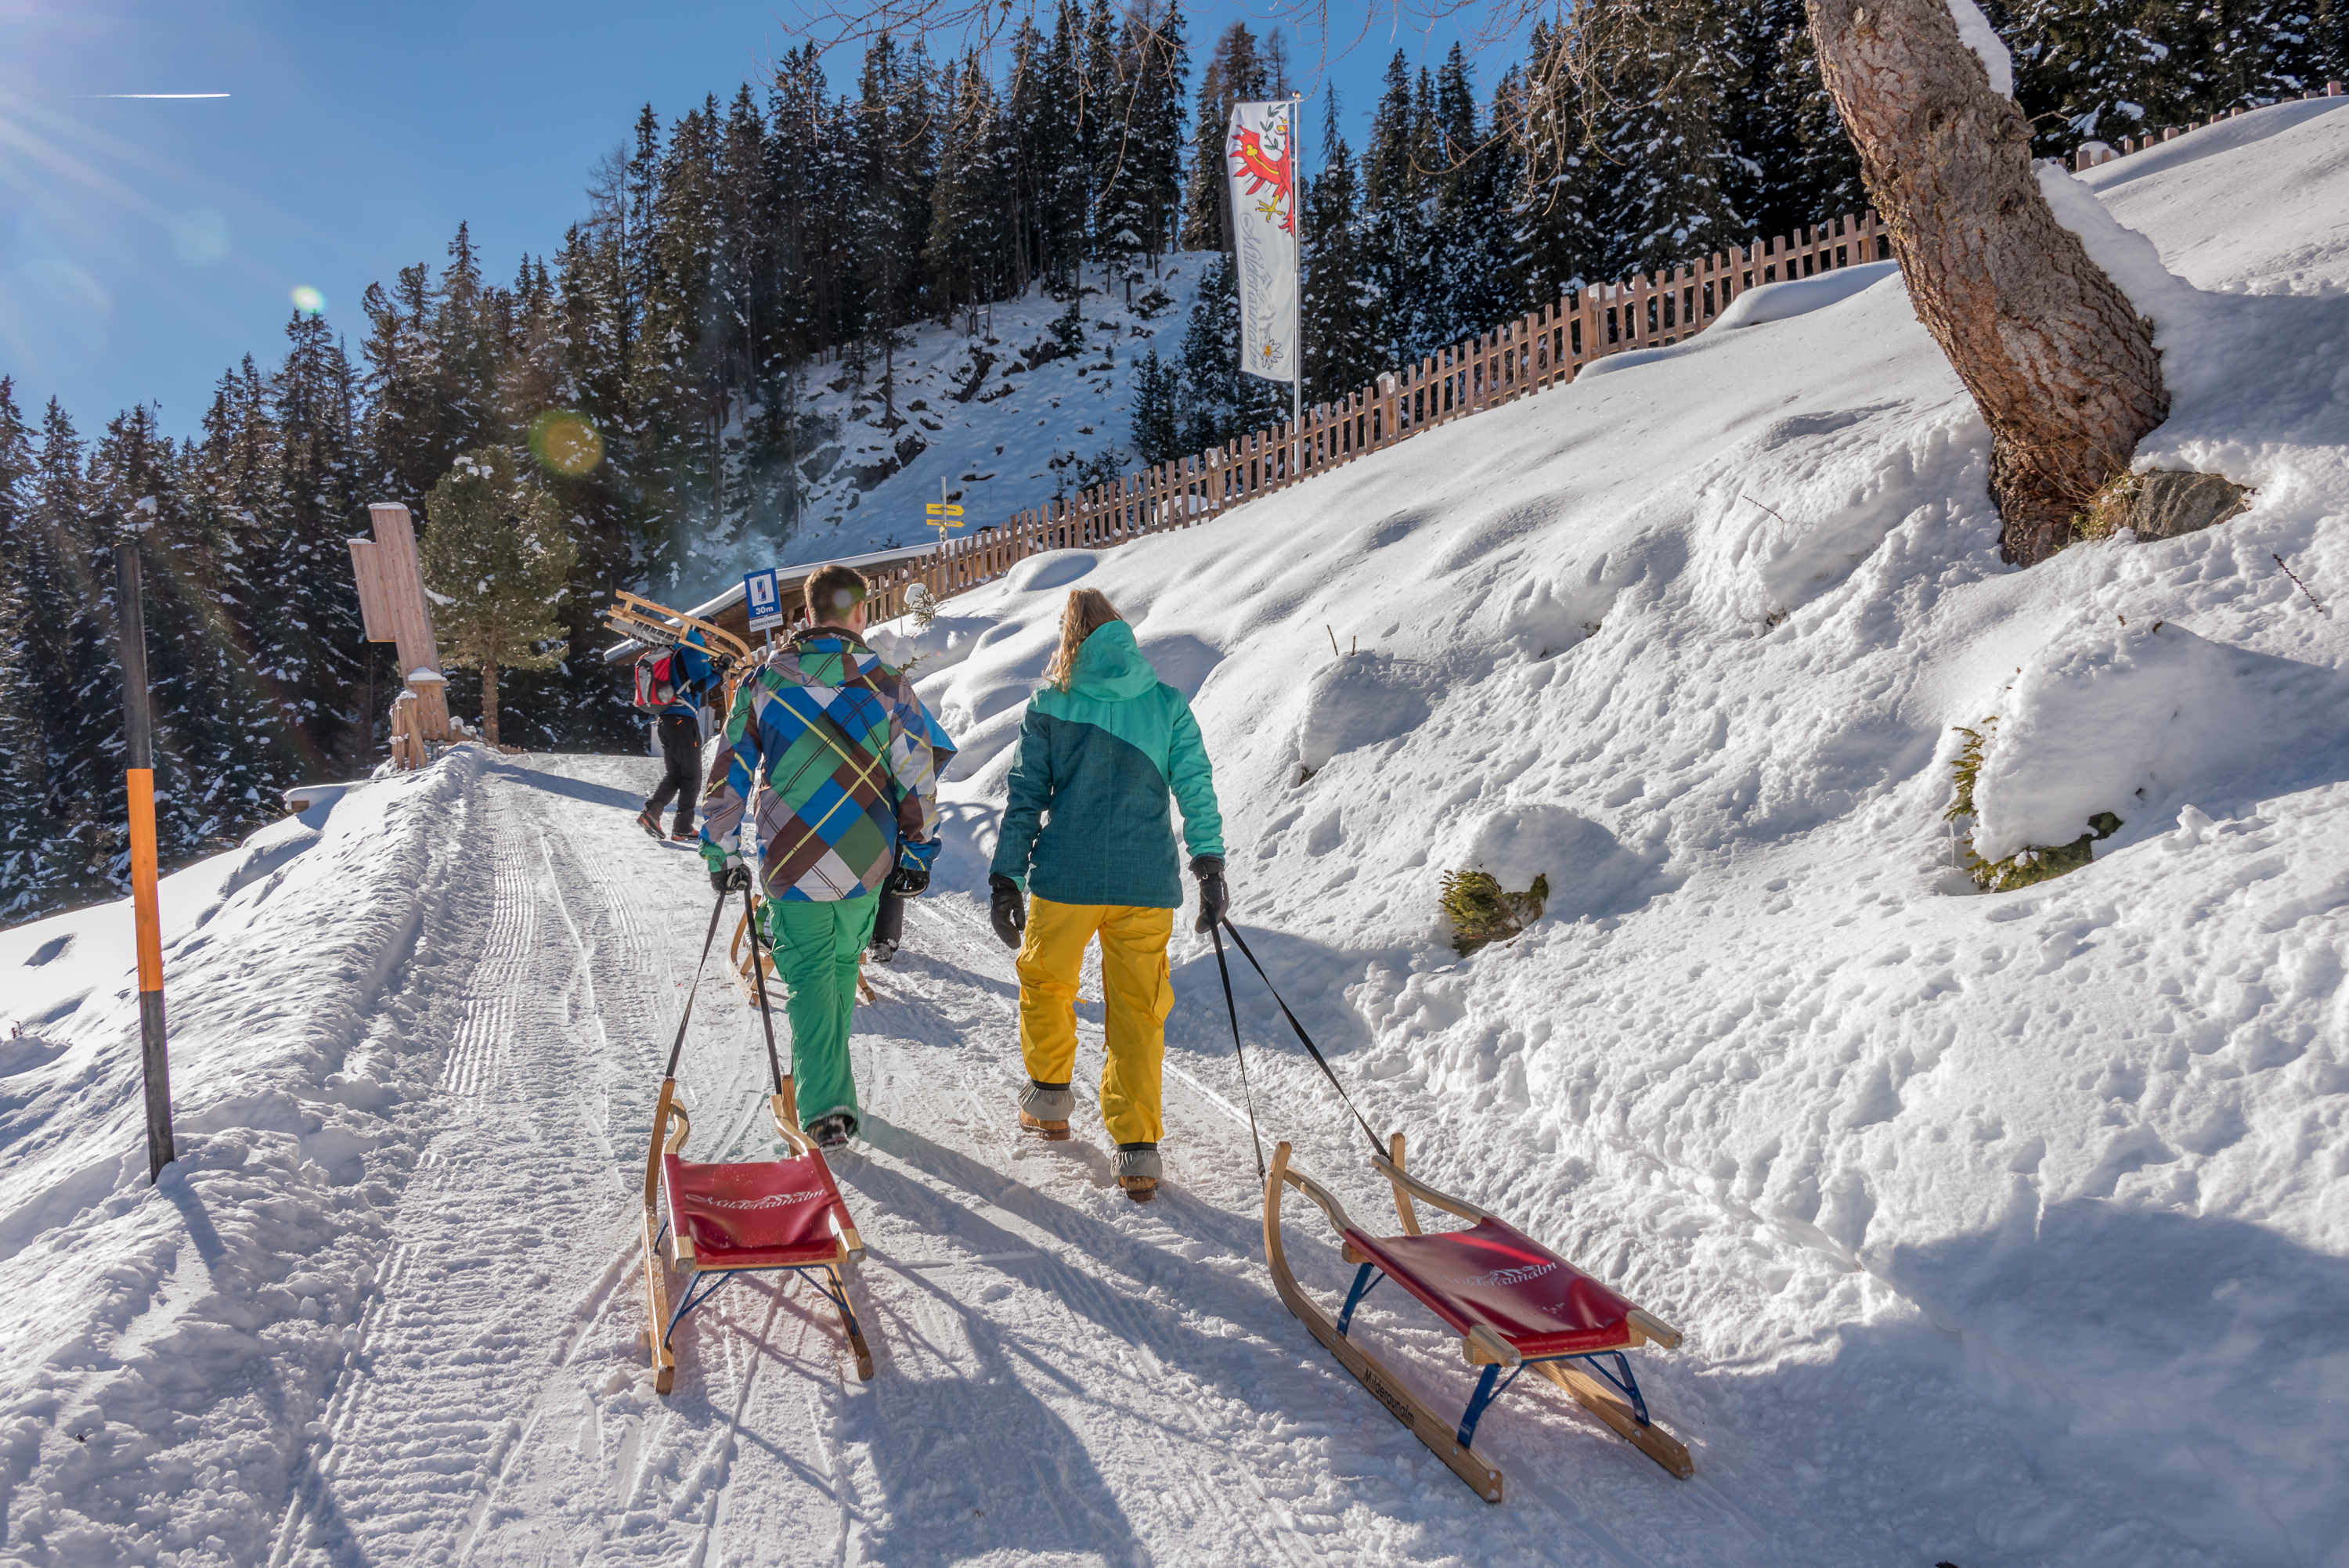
(726,260)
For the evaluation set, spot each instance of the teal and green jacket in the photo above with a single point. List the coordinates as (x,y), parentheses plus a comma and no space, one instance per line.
(1101,758)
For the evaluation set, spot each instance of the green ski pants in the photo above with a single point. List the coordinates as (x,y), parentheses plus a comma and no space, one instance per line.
(817,946)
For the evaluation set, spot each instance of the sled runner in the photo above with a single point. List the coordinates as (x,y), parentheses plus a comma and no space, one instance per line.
(1514,1302)
(756,1216)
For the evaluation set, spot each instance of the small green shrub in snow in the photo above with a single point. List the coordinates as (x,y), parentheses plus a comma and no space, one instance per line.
(1482,911)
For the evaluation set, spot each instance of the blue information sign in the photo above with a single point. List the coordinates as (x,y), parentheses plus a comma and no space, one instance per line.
(760,597)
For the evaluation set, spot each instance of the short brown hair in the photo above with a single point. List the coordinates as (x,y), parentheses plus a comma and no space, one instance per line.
(832,592)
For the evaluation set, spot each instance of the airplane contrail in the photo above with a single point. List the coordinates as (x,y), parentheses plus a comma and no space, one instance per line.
(155,95)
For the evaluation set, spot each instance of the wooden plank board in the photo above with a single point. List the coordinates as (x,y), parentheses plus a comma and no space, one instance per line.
(656,1304)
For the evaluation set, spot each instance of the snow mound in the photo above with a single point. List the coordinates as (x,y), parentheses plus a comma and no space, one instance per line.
(1800,296)
(2100,720)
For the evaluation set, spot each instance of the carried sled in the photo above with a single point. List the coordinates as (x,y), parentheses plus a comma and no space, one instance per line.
(658,626)
(760,1216)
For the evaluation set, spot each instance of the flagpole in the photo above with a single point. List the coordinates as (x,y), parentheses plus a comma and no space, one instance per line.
(1297,270)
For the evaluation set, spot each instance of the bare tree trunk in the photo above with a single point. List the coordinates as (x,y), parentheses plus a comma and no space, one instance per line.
(488,702)
(2060,363)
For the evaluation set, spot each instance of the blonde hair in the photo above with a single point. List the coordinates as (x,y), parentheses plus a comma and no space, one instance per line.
(1089,610)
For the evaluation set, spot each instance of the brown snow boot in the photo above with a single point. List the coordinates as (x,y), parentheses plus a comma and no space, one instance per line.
(1138,1170)
(1044,1109)
(649,823)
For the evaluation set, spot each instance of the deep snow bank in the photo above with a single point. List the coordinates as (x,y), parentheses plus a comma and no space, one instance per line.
(1690,637)
(163,1402)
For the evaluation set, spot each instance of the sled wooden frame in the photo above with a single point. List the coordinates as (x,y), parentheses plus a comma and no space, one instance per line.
(1482,1347)
(738,963)
(830,1274)
(657,625)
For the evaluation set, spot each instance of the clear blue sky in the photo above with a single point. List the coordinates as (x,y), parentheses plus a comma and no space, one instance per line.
(147,245)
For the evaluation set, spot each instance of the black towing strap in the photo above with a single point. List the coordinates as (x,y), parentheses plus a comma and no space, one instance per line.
(1307,1040)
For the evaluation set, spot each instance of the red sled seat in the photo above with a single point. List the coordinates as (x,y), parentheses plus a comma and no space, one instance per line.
(1495,1275)
(771,1213)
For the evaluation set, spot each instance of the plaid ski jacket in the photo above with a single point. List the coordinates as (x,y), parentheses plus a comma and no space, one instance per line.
(839,742)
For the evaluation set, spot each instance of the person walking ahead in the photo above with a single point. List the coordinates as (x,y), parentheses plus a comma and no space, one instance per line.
(691,679)
(1102,744)
(851,804)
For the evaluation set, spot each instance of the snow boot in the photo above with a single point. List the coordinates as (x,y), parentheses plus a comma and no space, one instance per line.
(833,1132)
(882,951)
(1044,1109)
(1138,1170)
(649,823)
(685,836)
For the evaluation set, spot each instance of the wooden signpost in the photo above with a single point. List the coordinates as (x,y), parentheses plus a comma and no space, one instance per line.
(943,514)
(393,608)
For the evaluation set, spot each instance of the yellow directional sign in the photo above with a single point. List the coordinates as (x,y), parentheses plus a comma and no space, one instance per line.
(941,512)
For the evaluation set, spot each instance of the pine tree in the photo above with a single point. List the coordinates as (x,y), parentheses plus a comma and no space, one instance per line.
(1667,69)
(61,650)
(1235,74)
(968,236)
(303,571)
(1340,350)
(497,554)
(1157,428)
(1565,186)
(1397,198)
(26,871)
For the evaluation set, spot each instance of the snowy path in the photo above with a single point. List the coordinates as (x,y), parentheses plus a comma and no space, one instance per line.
(1062,1375)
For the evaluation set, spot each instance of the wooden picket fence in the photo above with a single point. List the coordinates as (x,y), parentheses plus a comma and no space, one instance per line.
(1542,348)
(2093,153)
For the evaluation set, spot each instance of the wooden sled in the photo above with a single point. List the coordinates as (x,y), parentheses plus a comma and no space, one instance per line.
(751,1217)
(752,986)
(657,625)
(1514,1302)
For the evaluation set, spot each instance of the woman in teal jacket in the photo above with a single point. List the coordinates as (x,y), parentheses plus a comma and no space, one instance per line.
(1103,744)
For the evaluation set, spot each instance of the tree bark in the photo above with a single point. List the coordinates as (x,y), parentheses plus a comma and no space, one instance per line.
(490,701)
(2058,360)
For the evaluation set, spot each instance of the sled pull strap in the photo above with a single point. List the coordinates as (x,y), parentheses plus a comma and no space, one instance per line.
(1378,1149)
(677,1049)
(1248,1095)
(759,980)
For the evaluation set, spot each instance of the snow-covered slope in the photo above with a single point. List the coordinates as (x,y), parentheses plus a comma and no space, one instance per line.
(1007,416)
(2006,1229)
(2067,1164)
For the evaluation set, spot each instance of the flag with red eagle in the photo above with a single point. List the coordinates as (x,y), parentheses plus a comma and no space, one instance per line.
(1261,154)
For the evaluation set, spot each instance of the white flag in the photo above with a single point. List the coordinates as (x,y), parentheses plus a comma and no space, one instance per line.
(1261,153)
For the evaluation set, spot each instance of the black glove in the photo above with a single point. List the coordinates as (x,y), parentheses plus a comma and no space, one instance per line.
(912,872)
(1214,899)
(735,878)
(1008,910)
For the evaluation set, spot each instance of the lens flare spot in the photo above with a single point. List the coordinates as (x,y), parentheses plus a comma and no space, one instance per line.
(565,441)
(201,237)
(309,301)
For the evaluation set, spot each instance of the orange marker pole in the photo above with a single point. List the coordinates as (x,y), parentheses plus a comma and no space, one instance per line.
(139,761)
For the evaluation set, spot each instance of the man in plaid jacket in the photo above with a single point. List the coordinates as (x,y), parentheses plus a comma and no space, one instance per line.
(850,804)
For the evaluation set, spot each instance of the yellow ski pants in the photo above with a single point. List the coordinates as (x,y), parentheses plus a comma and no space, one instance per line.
(1140,996)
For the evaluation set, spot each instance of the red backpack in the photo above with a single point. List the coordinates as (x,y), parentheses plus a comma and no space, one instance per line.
(656,681)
